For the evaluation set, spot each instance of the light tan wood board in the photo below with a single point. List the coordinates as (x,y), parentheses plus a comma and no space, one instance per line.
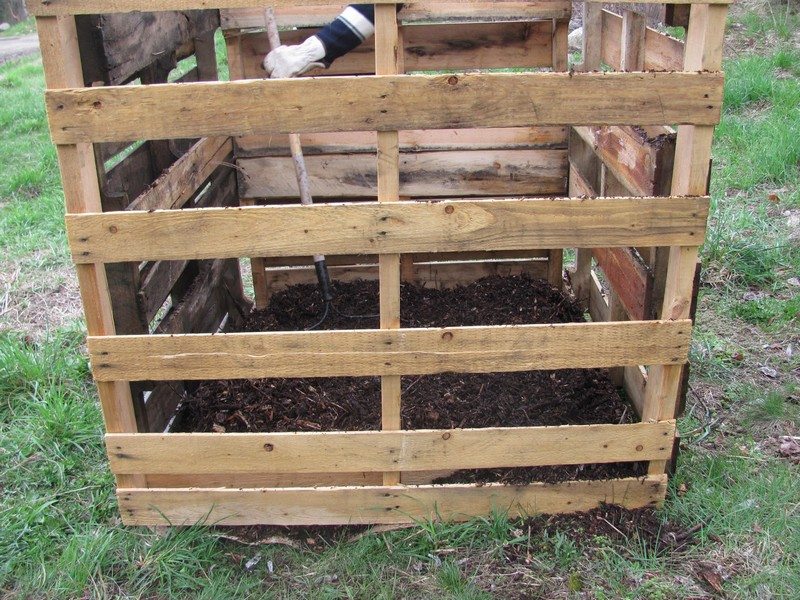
(490,349)
(66,7)
(411,13)
(421,140)
(383,103)
(388,450)
(401,227)
(422,174)
(379,504)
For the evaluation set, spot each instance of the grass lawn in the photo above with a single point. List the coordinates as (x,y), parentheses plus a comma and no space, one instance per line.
(737,486)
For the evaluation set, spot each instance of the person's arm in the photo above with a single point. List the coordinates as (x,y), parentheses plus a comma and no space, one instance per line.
(348,30)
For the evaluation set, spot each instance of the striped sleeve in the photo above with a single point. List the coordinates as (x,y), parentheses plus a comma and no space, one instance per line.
(348,30)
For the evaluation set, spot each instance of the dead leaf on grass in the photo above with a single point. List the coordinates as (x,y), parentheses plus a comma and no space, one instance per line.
(713,579)
(769,372)
(790,449)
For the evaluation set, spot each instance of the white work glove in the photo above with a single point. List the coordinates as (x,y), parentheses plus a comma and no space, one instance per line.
(291,61)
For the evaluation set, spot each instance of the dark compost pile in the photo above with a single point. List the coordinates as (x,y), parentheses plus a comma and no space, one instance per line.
(562,397)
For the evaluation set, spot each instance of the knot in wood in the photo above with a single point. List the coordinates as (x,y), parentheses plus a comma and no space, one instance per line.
(113,229)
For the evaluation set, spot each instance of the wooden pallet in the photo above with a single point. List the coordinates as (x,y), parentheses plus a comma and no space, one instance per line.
(385,476)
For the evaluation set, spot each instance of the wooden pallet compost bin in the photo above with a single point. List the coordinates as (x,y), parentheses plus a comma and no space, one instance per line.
(455,145)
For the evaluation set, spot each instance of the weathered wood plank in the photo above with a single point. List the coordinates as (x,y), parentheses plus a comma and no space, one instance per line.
(371,451)
(704,50)
(289,17)
(67,7)
(640,161)
(629,278)
(417,258)
(62,67)
(161,405)
(383,103)
(121,45)
(392,227)
(259,480)
(661,52)
(390,352)
(422,174)
(389,57)
(423,140)
(632,50)
(378,504)
(182,180)
(428,47)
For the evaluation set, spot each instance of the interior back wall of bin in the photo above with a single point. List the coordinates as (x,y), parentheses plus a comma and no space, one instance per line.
(187,296)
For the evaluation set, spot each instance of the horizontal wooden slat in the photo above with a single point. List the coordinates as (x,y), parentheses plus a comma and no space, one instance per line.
(422,174)
(430,257)
(388,450)
(178,183)
(378,504)
(411,13)
(493,349)
(66,7)
(429,47)
(422,140)
(388,102)
(392,227)
(262,480)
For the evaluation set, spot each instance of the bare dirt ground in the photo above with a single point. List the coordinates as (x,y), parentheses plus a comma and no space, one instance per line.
(25,300)
(18,46)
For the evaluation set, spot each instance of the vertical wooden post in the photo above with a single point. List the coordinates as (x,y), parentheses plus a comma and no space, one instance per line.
(591,59)
(205,52)
(592,36)
(560,60)
(233,45)
(690,177)
(634,26)
(388,54)
(62,67)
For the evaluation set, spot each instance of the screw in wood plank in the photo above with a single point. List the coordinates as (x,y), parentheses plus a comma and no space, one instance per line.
(269,447)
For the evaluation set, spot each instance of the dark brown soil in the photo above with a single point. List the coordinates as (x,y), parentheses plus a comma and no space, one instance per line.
(449,400)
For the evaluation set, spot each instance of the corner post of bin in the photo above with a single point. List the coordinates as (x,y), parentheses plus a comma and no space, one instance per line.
(58,38)
(704,42)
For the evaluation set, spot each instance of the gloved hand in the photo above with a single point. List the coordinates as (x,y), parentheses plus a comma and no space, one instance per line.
(291,61)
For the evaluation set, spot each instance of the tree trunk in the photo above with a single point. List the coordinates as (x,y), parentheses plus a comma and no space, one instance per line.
(12,11)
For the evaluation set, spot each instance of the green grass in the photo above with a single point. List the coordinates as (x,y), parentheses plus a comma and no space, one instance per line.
(25,27)
(60,535)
